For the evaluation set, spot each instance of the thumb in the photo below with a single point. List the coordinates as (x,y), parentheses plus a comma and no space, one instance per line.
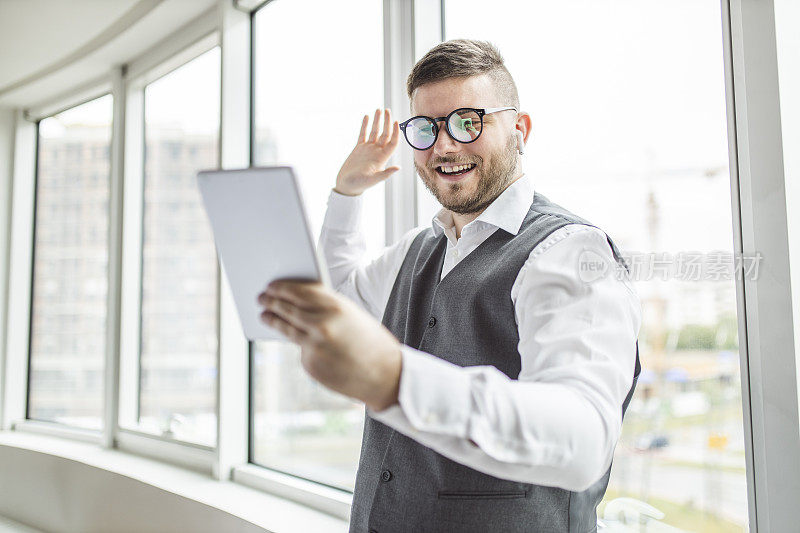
(388,171)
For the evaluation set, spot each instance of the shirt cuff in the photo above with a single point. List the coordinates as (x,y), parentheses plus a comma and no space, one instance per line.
(435,395)
(344,212)
(393,417)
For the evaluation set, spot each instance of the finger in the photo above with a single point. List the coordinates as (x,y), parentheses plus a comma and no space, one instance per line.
(395,135)
(373,134)
(289,331)
(294,315)
(293,296)
(387,126)
(388,171)
(362,136)
(309,295)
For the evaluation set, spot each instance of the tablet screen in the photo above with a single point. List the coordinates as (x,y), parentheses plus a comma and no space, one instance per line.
(262,233)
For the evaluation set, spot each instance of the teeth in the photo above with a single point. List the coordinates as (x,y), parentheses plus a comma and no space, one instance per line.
(458,168)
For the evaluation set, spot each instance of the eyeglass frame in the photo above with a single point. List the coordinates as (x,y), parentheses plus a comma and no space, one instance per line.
(479,111)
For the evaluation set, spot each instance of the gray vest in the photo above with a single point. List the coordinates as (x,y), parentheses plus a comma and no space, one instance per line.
(467,318)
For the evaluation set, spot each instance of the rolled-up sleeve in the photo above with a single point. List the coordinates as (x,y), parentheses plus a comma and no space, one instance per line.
(342,241)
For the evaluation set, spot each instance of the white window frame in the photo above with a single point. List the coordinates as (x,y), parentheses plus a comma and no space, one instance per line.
(410,28)
(8,120)
(768,359)
(17,349)
(235,152)
(399,35)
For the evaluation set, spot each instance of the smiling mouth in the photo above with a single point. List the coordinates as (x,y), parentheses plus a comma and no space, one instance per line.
(455,170)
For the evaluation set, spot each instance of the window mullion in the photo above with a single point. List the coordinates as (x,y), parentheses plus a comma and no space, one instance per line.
(398,50)
(232,439)
(111,381)
(769,378)
(20,272)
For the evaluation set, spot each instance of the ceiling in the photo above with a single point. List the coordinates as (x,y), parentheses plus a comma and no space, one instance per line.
(48,46)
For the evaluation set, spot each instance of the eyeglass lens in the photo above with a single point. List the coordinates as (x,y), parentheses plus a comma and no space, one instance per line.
(464,126)
(421,133)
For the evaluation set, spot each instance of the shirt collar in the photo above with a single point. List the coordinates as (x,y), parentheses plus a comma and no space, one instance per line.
(507,211)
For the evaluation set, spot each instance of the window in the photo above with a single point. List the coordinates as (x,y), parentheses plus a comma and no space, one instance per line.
(179,300)
(70,279)
(308,116)
(629,131)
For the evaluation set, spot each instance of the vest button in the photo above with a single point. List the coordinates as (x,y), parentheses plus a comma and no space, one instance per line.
(432,322)
(386,475)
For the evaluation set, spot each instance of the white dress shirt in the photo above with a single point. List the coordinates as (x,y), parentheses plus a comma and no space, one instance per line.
(559,422)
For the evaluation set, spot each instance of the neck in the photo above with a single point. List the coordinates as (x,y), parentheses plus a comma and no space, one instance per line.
(461,220)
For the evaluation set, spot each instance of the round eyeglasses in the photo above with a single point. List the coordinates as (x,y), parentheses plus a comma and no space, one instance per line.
(463,125)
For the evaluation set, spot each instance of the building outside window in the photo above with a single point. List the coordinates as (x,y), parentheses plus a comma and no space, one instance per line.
(177,395)
(70,274)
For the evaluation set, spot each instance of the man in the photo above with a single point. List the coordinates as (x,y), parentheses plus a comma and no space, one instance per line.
(501,408)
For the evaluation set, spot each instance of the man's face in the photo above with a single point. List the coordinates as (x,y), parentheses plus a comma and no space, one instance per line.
(492,155)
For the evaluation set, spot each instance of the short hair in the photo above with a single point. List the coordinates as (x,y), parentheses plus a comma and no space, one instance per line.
(463,58)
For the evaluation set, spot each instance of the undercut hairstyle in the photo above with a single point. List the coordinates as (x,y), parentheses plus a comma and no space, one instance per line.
(463,58)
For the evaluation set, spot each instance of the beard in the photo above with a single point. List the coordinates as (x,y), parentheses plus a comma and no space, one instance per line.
(492,180)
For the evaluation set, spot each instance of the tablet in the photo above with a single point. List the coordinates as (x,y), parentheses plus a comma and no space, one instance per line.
(262,233)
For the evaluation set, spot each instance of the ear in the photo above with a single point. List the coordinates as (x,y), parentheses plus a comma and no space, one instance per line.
(523,126)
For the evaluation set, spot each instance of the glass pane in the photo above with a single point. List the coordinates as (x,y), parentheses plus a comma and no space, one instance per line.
(629,130)
(307,117)
(178,379)
(70,268)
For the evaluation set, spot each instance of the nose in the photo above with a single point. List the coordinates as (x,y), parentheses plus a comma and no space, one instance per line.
(444,143)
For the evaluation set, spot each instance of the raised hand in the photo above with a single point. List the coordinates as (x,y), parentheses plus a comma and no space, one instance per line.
(366,164)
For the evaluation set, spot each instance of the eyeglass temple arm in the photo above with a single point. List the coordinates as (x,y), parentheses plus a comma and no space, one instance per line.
(496,109)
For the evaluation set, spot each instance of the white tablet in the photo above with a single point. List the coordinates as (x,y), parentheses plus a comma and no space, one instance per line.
(262,233)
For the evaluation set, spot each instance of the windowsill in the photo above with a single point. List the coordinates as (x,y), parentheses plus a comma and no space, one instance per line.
(9,526)
(265,510)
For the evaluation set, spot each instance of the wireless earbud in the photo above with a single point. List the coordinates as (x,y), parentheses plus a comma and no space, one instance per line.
(520,142)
